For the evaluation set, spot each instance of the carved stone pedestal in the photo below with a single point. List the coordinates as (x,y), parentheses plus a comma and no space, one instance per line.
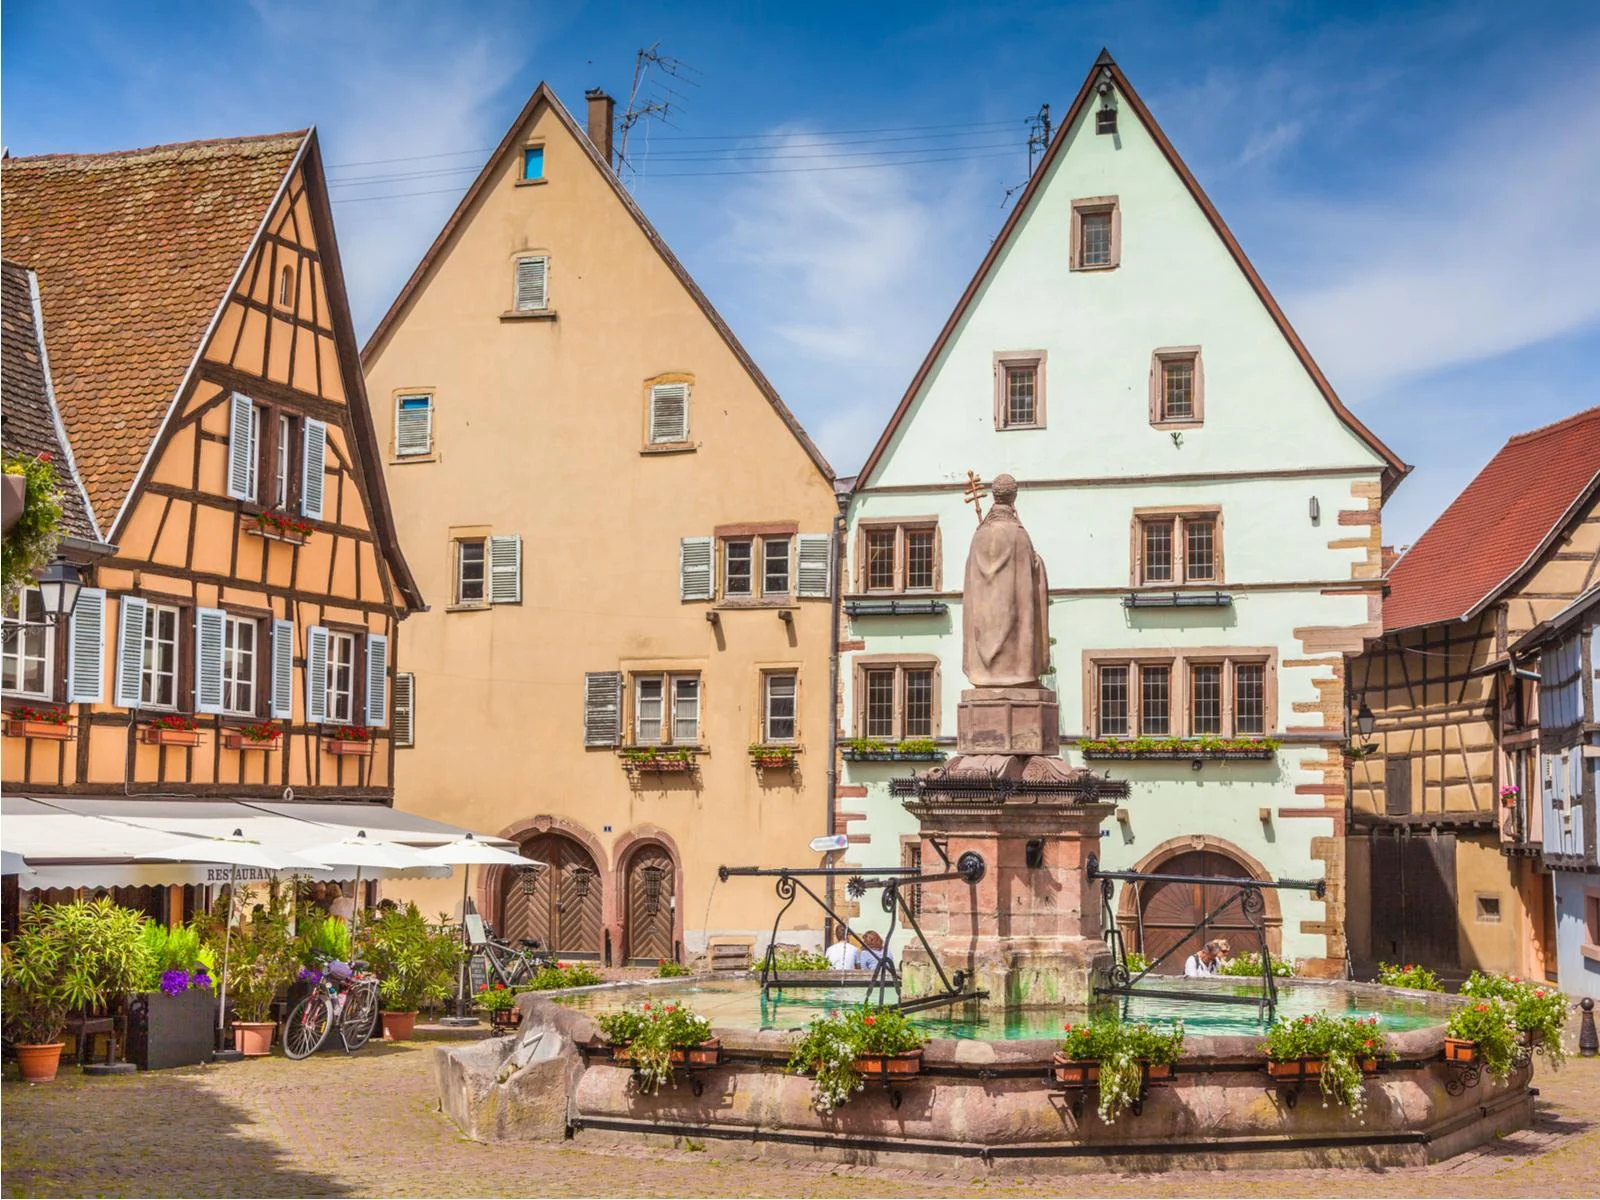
(1008,721)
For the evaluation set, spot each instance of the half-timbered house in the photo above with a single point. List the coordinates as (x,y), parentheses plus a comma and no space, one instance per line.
(237,637)
(1446,843)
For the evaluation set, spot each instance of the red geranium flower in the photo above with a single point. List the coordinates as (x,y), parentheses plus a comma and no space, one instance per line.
(871,1021)
(1483,1008)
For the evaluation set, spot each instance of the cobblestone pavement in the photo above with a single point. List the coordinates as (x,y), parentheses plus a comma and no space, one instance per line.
(369,1125)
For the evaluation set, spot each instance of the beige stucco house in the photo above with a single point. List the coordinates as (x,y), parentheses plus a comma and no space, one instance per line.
(628,543)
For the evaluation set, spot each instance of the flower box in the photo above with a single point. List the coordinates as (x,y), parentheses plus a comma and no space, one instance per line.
(47,731)
(881,1066)
(1459,1051)
(1300,1070)
(1183,755)
(664,762)
(773,760)
(172,1031)
(348,749)
(237,741)
(278,527)
(156,735)
(850,755)
(1075,1072)
(707,1054)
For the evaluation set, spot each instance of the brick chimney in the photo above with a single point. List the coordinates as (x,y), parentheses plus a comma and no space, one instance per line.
(601,107)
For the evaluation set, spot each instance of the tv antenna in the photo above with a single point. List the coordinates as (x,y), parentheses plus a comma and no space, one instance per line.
(652,97)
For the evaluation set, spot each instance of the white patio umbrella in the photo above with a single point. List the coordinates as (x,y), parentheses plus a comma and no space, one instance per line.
(361,851)
(464,852)
(234,851)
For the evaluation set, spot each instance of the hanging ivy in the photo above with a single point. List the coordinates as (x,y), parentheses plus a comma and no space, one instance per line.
(31,542)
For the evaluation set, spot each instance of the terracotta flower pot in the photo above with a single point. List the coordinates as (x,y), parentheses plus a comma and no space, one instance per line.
(1157,1071)
(399,1026)
(343,749)
(1075,1072)
(238,741)
(1458,1050)
(1297,1068)
(47,731)
(876,1066)
(38,1063)
(253,1039)
(155,735)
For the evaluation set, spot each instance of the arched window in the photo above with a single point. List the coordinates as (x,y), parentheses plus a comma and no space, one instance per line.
(286,286)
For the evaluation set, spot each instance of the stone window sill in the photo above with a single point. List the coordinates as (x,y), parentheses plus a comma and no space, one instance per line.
(1186,423)
(468,608)
(671,448)
(532,314)
(764,602)
(532,182)
(408,459)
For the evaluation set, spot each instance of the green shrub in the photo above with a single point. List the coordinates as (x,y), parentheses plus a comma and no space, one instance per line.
(571,975)
(67,956)
(1250,964)
(667,969)
(830,1045)
(327,937)
(799,960)
(1118,1048)
(1409,976)
(416,963)
(495,997)
(31,543)
(1340,1043)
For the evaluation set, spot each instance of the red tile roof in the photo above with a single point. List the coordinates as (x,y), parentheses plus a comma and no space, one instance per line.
(134,252)
(1494,528)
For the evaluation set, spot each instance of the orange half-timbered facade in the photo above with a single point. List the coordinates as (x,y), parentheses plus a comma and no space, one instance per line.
(236,634)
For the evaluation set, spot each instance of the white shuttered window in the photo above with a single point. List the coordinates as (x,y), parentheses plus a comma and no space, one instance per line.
(314,469)
(130,650)
(505,569)
(404,721)
(242,441)
(669,413)
(86,649)
(814,568)
(602,708)
(208,639)
(413,425)
(694,569)
(533,278)
(316,674)
(377,679)
(283,669)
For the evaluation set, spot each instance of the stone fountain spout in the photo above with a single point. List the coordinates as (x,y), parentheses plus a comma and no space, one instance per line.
(1028,931)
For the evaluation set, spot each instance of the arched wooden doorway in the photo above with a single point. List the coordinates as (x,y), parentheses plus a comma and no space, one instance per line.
(1167,911)
(559,903)
(650,910)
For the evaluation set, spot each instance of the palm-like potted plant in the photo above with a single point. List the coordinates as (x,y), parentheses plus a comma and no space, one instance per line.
(82,955)
(263,959)
(415,962)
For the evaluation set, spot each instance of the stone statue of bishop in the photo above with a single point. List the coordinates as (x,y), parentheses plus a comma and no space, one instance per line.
(1005,604)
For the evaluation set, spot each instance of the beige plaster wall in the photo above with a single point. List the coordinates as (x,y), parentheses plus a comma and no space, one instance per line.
(539,427)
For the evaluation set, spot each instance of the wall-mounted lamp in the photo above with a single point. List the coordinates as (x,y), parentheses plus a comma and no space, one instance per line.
(59,585)
(1366,723)
(1316,510)
(786,616)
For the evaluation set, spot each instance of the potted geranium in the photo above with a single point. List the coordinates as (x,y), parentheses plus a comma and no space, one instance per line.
(66,957)
(1336,1051)
(655,1037)
(772,756)
(347,741)
(1484,1031)
(172,1016)
(31,721)
(416,965)
(172,729)
(499,1002)
(845,1048)
(285,527)
(258,735)
(1121,1057)
(1539,1011)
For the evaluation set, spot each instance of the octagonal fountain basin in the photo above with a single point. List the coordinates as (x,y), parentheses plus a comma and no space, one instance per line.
(985,1093)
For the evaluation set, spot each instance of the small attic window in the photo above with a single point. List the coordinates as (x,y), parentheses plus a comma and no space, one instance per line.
(533,162)
(1105,120)
(286,287)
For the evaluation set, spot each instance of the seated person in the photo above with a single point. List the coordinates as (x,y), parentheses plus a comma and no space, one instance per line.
(340,905)
(872,951)
(842,955)
(1203,963)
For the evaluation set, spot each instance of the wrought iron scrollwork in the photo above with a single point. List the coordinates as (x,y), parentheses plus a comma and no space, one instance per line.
(1252,902)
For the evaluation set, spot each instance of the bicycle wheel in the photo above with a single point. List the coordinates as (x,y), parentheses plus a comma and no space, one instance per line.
(308,1025)
(518,971)
(360,1012)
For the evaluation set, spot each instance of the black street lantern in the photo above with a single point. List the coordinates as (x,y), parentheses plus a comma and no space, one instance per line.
(59,585)
(1365,722)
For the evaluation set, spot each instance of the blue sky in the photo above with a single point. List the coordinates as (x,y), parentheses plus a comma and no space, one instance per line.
(1417,183)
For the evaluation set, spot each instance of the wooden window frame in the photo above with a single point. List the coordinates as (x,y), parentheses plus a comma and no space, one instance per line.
(767,676)
(669,681)
(901,526)
(522,179)
(182,652)
(1178,515)
(285,289)
(358,674)
(787,591)
(1159,361)
(680,445)
(456,544)
(1095,205)
(516,266)
(13,643)
(1180,700)
(397,400)
(269,439)
(900,664)
(260,656)
(1004,362)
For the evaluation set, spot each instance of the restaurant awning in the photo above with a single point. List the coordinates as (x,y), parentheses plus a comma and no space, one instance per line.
(82,841)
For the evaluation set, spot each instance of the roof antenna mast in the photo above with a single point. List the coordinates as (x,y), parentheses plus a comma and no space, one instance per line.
(651,97)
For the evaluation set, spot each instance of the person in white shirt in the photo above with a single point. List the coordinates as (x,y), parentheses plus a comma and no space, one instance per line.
(842,955)
(340,905)
(1203,963)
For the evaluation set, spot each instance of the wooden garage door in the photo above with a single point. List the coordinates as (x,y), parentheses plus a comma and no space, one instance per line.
(1168,910)
(650,909)
(559,903)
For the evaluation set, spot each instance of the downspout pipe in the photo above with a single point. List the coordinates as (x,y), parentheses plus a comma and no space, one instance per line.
(837,569)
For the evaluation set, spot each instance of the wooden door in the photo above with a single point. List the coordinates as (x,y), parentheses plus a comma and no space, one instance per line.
(1414,901)
(1169,911)
(559,902)
(650,909)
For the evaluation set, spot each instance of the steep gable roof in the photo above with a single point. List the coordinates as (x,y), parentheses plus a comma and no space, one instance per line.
(463,211)
(1394,469)
(29,422)
(134,252)
(1498,526)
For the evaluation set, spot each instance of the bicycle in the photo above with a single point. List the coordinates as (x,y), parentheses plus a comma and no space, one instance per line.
(514,965)
(343,995)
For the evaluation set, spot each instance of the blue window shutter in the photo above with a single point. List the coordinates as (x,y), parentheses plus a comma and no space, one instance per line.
(283,669)
(316,675)
(86,648)
(208,653)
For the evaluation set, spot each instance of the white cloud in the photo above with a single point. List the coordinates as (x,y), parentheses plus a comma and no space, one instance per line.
(847,277)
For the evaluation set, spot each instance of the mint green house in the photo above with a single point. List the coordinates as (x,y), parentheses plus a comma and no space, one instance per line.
(1206,507)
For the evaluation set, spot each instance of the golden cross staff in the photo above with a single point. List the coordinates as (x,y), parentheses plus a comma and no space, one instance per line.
(976,491)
